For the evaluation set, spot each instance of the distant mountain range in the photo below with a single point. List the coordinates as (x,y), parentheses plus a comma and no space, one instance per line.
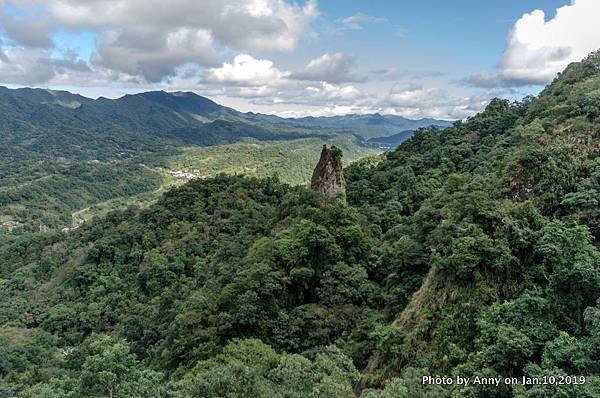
(390,142)
(59,123)
(371,125)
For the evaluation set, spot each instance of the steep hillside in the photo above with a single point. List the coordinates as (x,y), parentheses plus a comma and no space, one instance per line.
(506,209)
(212,261)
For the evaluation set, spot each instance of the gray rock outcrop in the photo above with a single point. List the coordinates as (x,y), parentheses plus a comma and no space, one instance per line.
(328,176)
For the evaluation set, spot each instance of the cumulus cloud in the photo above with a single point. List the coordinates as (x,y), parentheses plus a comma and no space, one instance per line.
(33,31)
(150,39)
(256,92)
(322,94)
(153,55)
(326,99)
(246,70)
(180,45)
(30,66)
(537,49)
(261,82)
(331,92)
(333,68)
(334,110)
(254,25)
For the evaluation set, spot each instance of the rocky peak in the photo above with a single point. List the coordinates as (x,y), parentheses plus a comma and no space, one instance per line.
(328,176)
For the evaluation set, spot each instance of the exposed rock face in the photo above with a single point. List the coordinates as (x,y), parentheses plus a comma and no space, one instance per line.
(328,176)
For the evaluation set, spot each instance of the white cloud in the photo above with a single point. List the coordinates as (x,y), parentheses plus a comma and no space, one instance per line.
(256,92)
(334,110)
(255,25)
(332,92)
(333,68)
(180,45)
(246,70)
(323,94)
(537,49)
(29,66)
(260,81)
(150,39)
(125,53)
(29,32)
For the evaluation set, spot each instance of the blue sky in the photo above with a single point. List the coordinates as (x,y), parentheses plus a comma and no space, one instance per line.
(442,59)
(471,33)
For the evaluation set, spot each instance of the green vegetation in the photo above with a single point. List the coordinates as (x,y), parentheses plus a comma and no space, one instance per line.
(293,277)
(503,213)
(291,161)
(45,193)
(471,251)
(62,193)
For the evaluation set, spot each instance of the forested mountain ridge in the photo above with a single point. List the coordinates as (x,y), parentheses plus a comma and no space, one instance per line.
(374,125)
(471,251)
(506,206)
(58,123)
(40,122)
(63,154)
(392,141)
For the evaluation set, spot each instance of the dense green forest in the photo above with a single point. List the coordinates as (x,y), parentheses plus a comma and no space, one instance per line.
(470,251)
(41,192)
